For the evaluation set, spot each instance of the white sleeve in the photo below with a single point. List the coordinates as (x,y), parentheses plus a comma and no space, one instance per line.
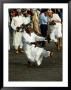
(29,19)
(13,24)
(39,38)
(58,18)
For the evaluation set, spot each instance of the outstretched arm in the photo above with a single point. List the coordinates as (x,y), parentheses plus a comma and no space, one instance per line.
(39,38)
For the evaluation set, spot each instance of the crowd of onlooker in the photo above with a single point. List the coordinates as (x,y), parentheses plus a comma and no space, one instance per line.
(44,22)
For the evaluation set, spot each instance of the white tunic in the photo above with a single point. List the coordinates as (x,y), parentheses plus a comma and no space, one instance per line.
(17,36)
(16,22)
(26,20)
(55,29)
(34,54)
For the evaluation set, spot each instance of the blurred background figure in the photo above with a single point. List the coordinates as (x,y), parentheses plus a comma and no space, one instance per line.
(26,17)
(43,23)
(12,13)
(55,27)
(17,21)
(35,20)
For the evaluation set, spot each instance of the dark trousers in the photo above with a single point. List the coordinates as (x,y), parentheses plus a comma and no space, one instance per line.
(43,28)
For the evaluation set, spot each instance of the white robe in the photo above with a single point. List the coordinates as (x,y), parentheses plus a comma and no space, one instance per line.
(26,20)
(55,29)
(17,36)
(34,54)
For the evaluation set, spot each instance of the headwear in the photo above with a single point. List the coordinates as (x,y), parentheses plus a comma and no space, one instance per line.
(24,11)
(18,10)
(27,26)
(49,10)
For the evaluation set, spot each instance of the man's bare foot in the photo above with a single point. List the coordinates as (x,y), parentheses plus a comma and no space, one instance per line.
(21,50)
(17,51)
(50,53)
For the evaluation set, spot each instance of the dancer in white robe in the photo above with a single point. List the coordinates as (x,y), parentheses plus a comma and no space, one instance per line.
(56,29)
(34,53)
(17,21)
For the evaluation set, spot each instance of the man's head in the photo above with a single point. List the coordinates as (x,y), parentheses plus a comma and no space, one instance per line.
(50,13)
(28,28)
(13,12)
(24,12)
(44,11)
(19,11)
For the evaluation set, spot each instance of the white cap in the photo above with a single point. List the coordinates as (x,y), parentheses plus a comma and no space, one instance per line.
(49,10)
(18,10)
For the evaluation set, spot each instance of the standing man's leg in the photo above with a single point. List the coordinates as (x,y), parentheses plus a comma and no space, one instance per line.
(17,41)
(52,36)
(43,28)
(59,36)
(14,37)
(21,43)
(45,31)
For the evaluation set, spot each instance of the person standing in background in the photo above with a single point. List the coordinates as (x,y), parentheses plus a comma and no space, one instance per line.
(35,20)
(17,21)
(26,17)
(43,23)
(55,27)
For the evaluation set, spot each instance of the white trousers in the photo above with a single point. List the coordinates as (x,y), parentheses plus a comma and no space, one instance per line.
(17,39)
(36,54)
(55,32)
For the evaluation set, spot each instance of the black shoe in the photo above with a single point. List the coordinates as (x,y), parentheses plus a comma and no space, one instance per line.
(29,62)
